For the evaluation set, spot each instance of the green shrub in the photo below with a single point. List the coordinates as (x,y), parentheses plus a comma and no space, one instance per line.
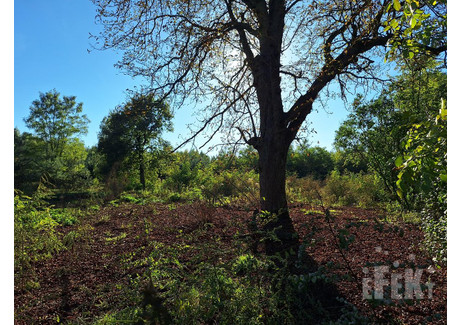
(65,217)
(35,236)
(303,190)
(230,184)
(435,236)
(365,190)
(175,197)
(126,197)
(305,161)
(423,171)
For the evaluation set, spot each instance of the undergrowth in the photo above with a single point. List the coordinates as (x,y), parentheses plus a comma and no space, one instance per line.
(204,284)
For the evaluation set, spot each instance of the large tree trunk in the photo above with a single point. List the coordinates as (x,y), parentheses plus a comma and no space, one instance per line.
(272,163)
(272,166)
(274,141)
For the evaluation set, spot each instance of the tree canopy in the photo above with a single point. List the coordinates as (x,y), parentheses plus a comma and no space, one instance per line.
(226,49)
(132,129)
(55,120)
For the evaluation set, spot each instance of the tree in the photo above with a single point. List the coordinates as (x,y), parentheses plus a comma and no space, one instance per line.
(416,31)
(132,129)
(29,158)
(423,170)
(262,62)
(55,120)
(32,165)
(70,170)
(349,162)
(310,161)
(376,129)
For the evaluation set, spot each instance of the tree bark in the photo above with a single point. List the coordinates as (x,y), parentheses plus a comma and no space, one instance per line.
(140,148)
(274,141)
(142,173)
(272,166)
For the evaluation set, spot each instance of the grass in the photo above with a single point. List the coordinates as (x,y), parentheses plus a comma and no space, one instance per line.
(115,238)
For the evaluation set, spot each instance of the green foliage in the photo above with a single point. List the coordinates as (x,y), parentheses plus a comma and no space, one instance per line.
(131,131)
(363,190)
(183,175)
(29,161)
(423,170)
(35,235)
(248,159)
(375,130)
(70,172)
(54,152)
(65,217)
(94,162)
(350,161)
(403,137)
(55,120)
(245,289)
(304,190)
(304,161)
(418,27)
(190,175)
(126,197)
(232,184)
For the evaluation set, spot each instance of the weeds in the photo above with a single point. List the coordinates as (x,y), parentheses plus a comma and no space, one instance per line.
(35,237)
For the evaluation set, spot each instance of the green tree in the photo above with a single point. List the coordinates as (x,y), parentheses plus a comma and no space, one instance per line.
(263,63)
(94,161)
(310,161)
(375,130)
(248,160)
(29,161)
(133,129)
(349,161)
(55,120)
(423,170)
(419,28)
(70,171)
(184,172)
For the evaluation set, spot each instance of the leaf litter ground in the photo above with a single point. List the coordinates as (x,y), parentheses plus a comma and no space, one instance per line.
(88,279)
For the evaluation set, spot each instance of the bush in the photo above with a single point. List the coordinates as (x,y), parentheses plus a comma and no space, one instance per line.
(229,185)
(35,236)
(423,171)
(435,235)
(247,289)
(64,217)
(304,161)
(365,190)
(303,190)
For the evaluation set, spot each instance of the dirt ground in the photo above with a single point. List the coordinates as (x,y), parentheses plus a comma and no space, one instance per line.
(80,283)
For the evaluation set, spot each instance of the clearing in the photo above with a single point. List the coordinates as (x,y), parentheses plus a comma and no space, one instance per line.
(93,275)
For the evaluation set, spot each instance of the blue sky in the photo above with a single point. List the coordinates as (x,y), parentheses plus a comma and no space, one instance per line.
(51,39)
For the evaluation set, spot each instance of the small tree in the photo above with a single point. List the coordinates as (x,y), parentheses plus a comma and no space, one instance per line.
(133,129)
(55,120)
